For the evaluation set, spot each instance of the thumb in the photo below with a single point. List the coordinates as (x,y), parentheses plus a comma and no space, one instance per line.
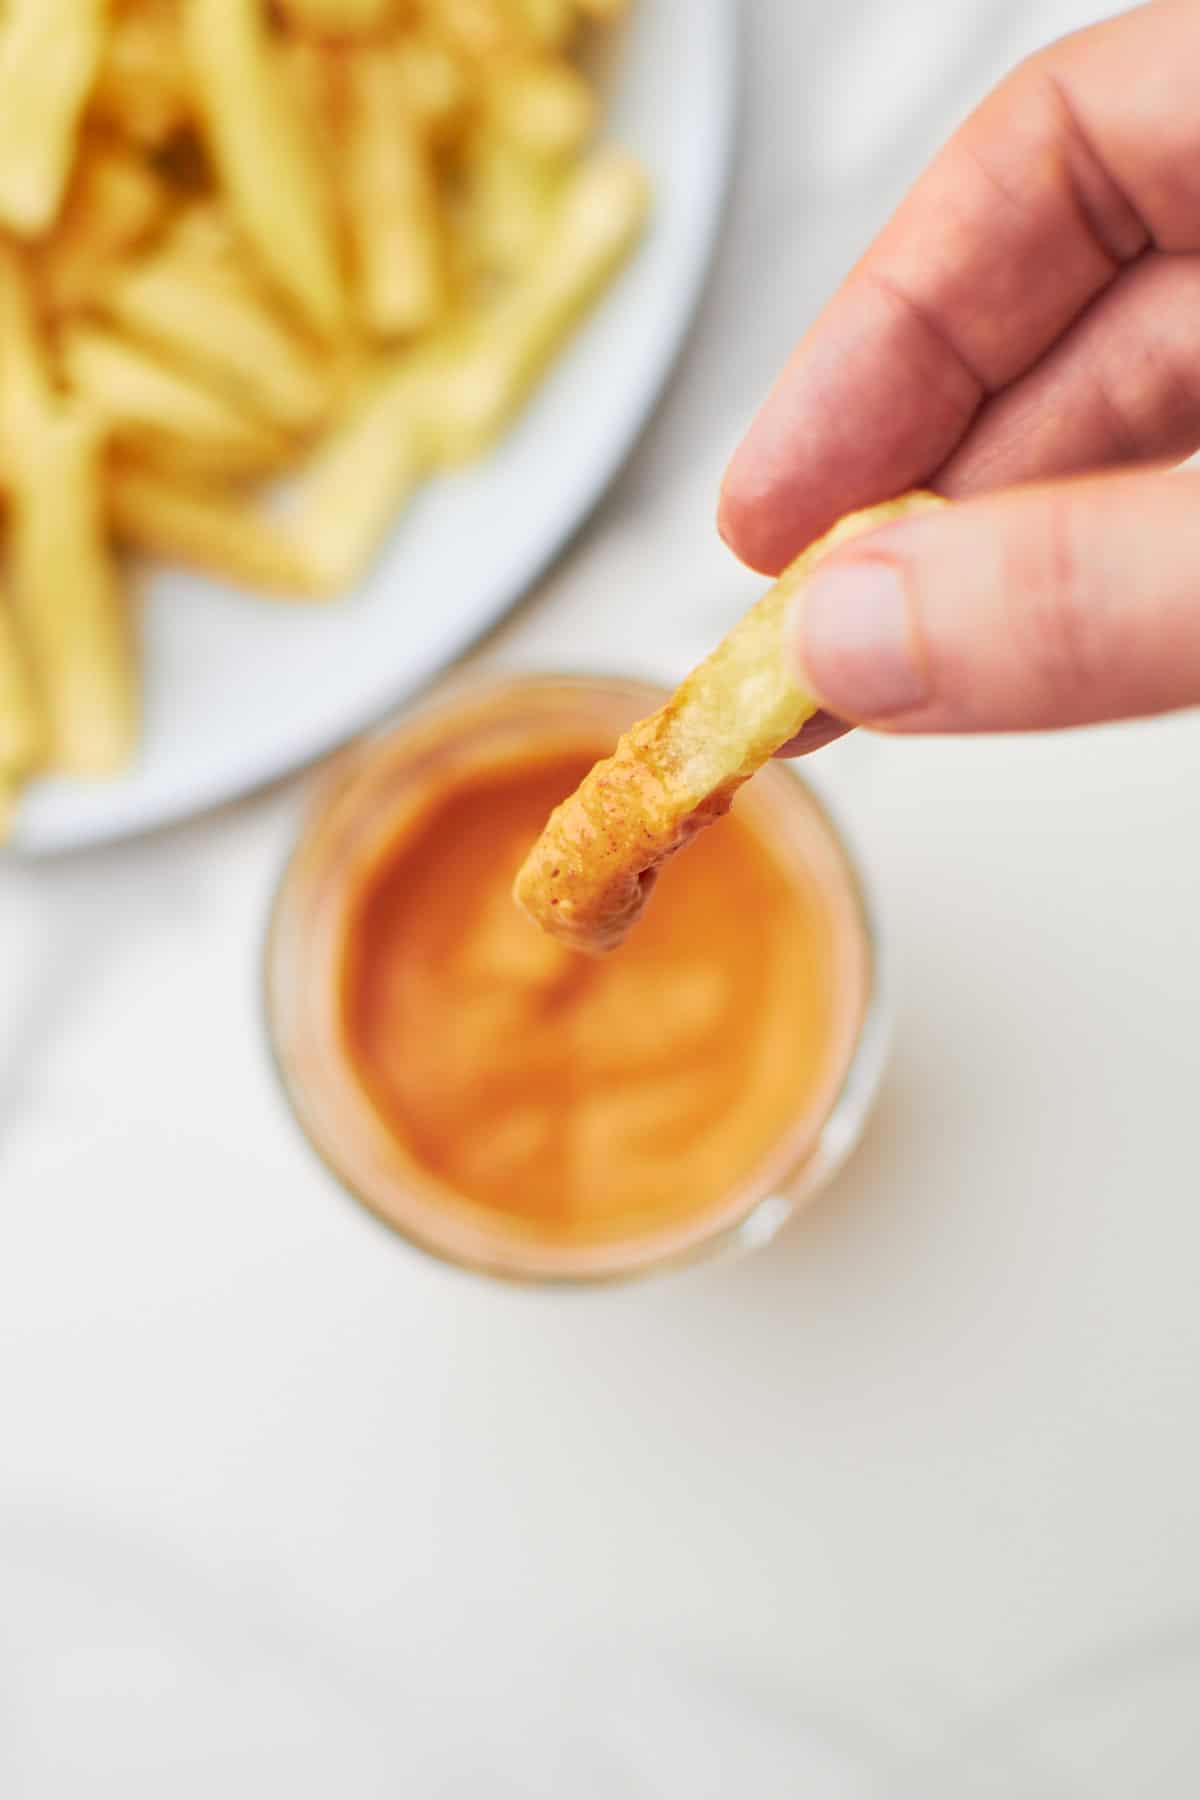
(1040,607)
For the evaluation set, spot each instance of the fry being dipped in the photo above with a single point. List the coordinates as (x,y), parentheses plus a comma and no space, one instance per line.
(590,873)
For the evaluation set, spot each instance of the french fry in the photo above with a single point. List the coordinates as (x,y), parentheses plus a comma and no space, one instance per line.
(22,727)
(473,392)
(210,529)
(65,599)
(115,202)
(312,69)
(434,84)
(507,206)
(341,18)
(142,88)
(70,605)
(348,498)
(590,873)
(266,163)
(483,27)
(26,390)
(49,53)
(205,236)
(220,330)
(68,600)
(542,105)
(390,199)
(604,12)
(479,27)
(547,23)
(163,413)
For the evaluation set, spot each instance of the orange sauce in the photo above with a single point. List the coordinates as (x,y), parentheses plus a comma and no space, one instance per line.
(584,1098)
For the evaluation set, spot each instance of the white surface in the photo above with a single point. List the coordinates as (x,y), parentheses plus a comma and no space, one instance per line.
(904,1506)
(242,691)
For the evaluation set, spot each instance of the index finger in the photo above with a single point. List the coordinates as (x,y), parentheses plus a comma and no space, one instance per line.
(1081,159)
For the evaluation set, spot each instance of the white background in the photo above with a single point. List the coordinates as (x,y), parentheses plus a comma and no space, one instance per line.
(905,1505)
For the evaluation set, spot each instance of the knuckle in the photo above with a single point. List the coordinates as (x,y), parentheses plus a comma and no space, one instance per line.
(1058,616)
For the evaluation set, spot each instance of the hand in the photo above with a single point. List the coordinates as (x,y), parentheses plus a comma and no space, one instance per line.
(1031,311)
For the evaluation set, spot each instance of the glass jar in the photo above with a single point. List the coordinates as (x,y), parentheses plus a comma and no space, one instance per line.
(357,808)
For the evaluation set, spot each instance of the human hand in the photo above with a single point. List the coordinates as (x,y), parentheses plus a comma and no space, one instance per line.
(1031,311)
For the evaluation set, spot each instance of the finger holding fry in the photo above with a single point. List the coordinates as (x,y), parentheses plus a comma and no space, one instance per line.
(591,872)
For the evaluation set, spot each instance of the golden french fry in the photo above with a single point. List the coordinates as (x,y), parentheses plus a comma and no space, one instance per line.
(221,330)
(22,728)
(26,389)
(141,88)
(479,27)
(473,392)
(548,24)
(49,53)
(543,105)
(604,12)
(164,414)
(206,236)
(220,532)
(433,82)
(347,499)
(341,18)
(115,202)
(507,206)
(311,69)
(390,198)
(590,873)
(267,164)
(64,591)
(67,598)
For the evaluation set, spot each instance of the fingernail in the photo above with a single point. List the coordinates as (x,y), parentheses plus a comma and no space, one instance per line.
(855,642)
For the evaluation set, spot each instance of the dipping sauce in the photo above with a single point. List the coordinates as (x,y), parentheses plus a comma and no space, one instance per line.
(562,1088)
(515,1105)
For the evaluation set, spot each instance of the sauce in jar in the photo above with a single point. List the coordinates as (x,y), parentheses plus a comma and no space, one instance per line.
(565,1088)
(510,1103)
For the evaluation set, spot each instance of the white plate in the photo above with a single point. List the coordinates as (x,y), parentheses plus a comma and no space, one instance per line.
(240,691)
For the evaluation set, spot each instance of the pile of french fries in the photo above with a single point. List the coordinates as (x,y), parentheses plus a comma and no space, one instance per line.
(265,265)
